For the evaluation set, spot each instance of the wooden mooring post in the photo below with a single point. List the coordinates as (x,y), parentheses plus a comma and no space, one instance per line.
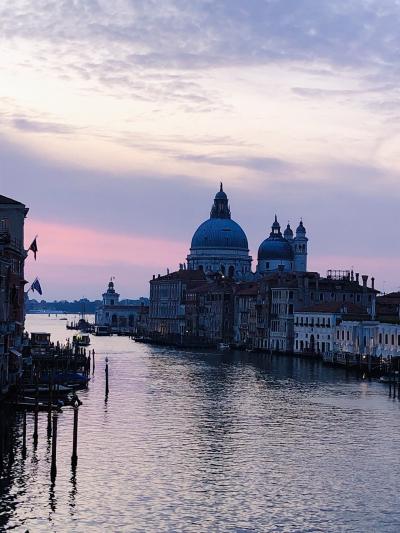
(74,457)
(53,471)
(106,371)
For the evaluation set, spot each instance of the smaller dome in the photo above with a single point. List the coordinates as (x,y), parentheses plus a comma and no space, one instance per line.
(288,233)
(276,225)
(275,249)
(220,194)
(301,228)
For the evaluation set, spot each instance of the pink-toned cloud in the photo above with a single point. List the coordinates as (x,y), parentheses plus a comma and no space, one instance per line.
(74,261)
(62,244)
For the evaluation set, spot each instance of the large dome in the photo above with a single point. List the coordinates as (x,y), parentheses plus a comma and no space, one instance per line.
(220,233)
(275,249)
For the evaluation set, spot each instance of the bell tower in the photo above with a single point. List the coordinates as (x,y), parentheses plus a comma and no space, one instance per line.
(299,245)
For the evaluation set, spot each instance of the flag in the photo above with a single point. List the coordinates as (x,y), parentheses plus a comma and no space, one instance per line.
(36,286)
(34,247)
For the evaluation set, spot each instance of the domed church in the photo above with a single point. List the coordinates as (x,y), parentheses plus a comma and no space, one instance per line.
(283,251)
(219,244)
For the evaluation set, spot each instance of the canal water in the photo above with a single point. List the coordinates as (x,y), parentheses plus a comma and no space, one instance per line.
(200,441)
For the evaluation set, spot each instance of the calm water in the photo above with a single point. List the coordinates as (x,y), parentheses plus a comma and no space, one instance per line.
(193,441)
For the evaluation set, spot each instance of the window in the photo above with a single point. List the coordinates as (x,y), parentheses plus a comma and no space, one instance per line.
(380,338)
(386,339)
(348,335)
(392,340)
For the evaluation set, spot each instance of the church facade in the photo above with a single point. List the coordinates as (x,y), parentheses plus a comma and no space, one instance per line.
(219,245)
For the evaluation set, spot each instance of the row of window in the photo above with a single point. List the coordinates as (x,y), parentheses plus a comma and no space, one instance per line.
(324,322)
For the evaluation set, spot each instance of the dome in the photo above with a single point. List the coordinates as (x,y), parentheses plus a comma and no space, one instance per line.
(288,233)
(301,228)
(275,247)
(219,233)
(278,249)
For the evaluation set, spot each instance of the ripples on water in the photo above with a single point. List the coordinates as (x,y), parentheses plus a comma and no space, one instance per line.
(194,441)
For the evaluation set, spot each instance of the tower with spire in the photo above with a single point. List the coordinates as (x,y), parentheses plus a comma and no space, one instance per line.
(299,245)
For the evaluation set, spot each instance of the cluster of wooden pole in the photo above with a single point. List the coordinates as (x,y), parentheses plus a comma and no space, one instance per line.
(52,421)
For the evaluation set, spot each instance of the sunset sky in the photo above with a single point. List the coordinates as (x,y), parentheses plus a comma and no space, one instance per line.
(119,119)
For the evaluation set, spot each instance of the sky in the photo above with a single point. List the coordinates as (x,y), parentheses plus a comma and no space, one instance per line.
(119,119)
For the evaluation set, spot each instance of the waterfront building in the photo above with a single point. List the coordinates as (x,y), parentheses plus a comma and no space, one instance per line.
(388,307)
(219,244)
(264,314)
(369,338)
(12,282)
(120,316)
(250,327)
(210,311)
(316,326)
(167,314)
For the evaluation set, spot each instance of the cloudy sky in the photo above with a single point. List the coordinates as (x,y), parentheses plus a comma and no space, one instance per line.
(119,119)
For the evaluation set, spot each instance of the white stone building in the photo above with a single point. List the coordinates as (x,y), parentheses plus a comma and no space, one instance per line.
(368,338)
(119,316)
(315,327)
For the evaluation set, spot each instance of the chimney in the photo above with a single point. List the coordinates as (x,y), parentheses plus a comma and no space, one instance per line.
(357,278)
(364,280)
(154,276)
(373,283)
(352,275)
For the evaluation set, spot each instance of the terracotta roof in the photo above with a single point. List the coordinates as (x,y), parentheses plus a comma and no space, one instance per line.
(182,275)
(346,308)
(4,200)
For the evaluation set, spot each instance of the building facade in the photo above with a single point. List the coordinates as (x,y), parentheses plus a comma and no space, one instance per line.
(120,316)
(12,283)
(167,314)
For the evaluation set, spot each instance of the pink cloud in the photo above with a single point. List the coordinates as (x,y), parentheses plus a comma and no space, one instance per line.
(74,261)
(62,244)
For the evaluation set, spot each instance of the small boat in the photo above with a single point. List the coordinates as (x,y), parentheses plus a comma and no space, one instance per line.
(223,346)
(147,340)
(29,404)
(387,379)
(43,390)
(81,340)
(101,331)
(63,318)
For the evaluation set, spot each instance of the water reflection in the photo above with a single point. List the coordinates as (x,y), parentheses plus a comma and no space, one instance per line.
(200,441)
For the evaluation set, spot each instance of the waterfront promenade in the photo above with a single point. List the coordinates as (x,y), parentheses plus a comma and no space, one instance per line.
(203,441)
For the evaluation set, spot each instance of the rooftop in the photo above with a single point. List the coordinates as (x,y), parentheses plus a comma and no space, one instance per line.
(182,275)
(346,308)
(6,201)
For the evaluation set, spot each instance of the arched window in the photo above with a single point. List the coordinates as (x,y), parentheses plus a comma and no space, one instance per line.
(223,269)
(231,271)
(201,268)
